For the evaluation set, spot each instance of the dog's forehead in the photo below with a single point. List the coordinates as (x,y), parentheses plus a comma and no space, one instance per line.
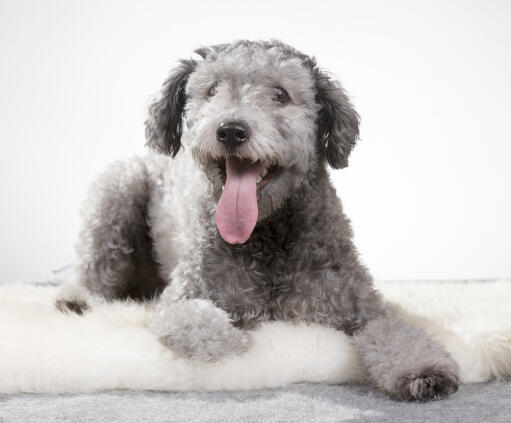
(254,64)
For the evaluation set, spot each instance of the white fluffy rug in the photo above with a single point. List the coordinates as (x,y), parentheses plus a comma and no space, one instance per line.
(42,350)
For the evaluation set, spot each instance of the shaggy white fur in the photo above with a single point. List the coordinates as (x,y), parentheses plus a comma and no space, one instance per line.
(43,350)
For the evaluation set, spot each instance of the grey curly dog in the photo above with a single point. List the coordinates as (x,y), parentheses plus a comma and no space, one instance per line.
(244,225)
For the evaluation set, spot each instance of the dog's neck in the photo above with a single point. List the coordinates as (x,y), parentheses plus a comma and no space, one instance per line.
(309,208)
(312,209)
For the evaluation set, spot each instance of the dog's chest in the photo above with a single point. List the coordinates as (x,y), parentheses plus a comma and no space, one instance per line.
(252,281)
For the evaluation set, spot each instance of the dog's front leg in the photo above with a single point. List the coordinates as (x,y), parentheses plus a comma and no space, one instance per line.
(401,359)
(404,361)
(196,328)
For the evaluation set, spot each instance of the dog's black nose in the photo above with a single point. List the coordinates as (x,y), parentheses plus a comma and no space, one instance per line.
(233,133)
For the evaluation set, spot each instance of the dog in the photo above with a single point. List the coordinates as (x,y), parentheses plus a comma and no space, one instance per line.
(235,221)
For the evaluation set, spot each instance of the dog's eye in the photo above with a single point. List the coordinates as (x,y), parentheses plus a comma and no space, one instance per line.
(212,90)
(281,95)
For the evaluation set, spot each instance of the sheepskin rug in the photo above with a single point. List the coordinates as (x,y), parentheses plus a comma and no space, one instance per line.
(42,350)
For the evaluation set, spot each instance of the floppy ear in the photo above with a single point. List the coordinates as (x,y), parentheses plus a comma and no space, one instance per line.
(164,126)
(338,121)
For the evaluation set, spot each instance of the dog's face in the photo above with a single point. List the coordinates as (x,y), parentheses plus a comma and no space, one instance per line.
(261,118)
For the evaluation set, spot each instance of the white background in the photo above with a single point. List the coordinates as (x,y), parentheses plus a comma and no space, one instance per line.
(428,186)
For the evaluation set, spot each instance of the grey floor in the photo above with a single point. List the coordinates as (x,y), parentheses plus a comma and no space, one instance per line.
(489,402)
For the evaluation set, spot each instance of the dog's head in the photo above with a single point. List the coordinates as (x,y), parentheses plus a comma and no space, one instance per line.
(261,118)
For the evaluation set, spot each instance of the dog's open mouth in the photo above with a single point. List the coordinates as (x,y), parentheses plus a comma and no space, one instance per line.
(237,211)
(267,174)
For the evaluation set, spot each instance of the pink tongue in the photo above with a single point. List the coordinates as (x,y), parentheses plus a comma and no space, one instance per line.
(236,213)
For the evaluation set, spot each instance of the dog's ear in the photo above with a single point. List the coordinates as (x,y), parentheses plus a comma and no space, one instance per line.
(164,126)
(337,121)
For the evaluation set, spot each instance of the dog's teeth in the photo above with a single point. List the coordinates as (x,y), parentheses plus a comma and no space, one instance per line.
(259,179)
(223,187)
(264,172)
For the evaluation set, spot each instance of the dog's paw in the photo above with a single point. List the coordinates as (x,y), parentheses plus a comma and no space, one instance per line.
(429,385)
(73,298)
(198,330)
(72,306)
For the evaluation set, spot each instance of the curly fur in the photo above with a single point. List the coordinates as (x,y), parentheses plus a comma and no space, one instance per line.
(149,223)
